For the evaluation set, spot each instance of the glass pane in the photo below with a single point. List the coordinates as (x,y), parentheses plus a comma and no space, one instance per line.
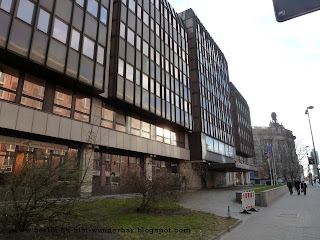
(145,82)
(43,21)
(8,78)
(130,36)
(145,126)
(63,97)
(135,123)
(129,72)
(92,7)
(120,67)
(31,103)
(7,96)
(107,124)
(61,111)
(60,30)
(120,119)
(82,104)
(80,2)
(25,10)
(81,117)
(145,99)
(129,91)
(88,47)
(6,5)
(33,87)
(107,114)
(75,38)
(100,55)
(103,15)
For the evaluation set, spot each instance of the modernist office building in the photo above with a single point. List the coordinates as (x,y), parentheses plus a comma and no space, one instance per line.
(212,139)
(108,84)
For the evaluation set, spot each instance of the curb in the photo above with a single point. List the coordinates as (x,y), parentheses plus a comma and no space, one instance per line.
(218,237)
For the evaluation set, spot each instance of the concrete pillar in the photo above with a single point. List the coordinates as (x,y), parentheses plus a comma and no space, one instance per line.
(148,167)
(86,164)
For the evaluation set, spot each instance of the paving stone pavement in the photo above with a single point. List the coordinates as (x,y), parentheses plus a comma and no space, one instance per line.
(291,217)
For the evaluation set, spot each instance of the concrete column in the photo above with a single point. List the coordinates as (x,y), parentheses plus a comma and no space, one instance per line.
(86,164)
(148,167)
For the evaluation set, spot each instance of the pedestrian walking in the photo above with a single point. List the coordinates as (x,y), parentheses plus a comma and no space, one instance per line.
(304,187)
(289,184)
(297,185)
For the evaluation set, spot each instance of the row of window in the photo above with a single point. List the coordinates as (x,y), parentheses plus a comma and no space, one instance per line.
(216,146)
(78,106)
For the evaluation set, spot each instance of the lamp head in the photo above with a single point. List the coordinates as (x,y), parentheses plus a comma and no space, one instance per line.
(310,107)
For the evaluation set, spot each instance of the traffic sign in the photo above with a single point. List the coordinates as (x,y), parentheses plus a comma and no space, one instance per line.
(288,9)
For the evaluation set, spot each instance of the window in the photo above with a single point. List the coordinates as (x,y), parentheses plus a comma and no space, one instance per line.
(92,7)
(62,101)
(75,38)
(132,5)
(129,72)
(80,2)
(60,31)
(88,47)
(135,126)
(6,5)
(122,30)
(107,116)
(82,108)
(159,134)
(166,134)
(8,83)
(120,67)
(145,127)
(100,55)
(43,21)
(120,122)
(145,82)
(25,11)
(103,15)
(33,92)
(130,36)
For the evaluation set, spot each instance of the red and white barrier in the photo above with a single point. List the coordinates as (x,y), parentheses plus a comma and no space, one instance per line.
(248,200)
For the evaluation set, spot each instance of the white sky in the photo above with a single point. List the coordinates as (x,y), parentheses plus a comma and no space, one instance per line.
(275,66)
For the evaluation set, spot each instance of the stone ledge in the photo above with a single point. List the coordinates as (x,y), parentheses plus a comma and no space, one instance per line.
(267,197)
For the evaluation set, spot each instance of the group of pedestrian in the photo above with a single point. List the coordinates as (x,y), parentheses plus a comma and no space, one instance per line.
(298,185)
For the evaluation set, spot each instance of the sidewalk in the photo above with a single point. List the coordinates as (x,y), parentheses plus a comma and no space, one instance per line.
(291,217)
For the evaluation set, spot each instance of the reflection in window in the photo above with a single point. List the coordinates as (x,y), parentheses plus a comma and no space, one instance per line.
(135,126)
(88,47)
(92,7)
(82,108)
(146,129)
(62,101)
(120,67)
(103,15)
(129,72)
(120,122)
(107,116)
(132,5)
(130,36)
(43,21)
(33,92)
(6,5)
(80,2)
(159,134)
(145,82)
(8,83)
(100,55)
(60,30)
(75,38)
(25,11)
(122,30)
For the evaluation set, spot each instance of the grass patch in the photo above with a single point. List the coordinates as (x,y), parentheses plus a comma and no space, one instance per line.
(165,220)
(258,190)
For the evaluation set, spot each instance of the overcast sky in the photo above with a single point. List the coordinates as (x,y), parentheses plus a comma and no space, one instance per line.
(275,66)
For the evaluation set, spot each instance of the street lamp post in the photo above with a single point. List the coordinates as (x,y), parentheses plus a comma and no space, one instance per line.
(314,149)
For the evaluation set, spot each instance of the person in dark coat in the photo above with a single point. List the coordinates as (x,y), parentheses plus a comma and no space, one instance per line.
(289,184)
(297,185)
(304,187)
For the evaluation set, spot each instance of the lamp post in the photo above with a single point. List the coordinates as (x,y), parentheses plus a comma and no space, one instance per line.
(314,149)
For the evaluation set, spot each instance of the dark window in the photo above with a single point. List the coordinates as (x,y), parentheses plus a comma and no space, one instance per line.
(82,108)
(33,92)
(25,11)
(120,122)
(62,101)
(8,83)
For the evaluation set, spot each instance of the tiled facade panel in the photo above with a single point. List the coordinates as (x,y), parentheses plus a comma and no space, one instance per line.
(69,37)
